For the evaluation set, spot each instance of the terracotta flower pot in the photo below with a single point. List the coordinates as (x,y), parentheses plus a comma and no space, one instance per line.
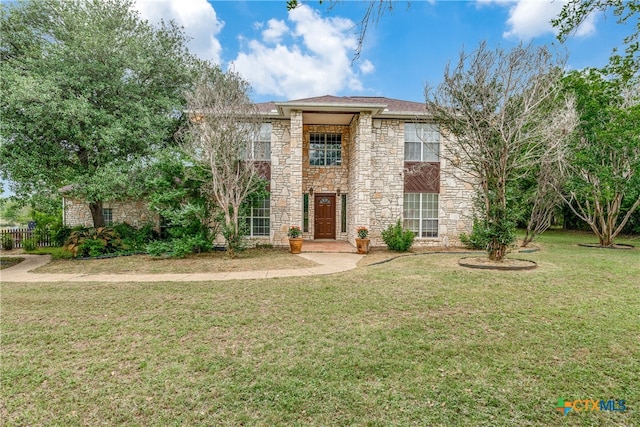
(295,244)
(362,245)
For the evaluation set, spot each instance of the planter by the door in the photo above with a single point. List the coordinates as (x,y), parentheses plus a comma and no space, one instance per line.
(362,245)
(295,244)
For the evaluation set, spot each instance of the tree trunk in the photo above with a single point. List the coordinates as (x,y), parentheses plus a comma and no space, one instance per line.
(97,214)
(497,251)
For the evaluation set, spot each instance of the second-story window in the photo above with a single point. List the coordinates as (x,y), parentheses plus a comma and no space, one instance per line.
(261,144)
(325,149)
(421,142)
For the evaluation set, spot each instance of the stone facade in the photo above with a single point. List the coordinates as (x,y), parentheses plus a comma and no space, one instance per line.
(134,213)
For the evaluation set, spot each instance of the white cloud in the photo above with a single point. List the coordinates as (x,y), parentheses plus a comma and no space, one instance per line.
(315,59)
(532,18)
(275,30)
(198,18)
(366,67)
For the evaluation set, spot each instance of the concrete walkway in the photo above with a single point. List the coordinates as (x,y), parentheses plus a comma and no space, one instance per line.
(328,263)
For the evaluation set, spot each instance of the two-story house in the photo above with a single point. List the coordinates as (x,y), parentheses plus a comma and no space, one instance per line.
(338,163)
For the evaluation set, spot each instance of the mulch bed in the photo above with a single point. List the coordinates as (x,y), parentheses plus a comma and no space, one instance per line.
(507,264)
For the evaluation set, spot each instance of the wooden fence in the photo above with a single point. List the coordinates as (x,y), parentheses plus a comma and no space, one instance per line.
(19,235)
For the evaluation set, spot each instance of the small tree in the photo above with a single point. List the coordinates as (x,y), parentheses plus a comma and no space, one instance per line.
(218,137)
(502,114)
(542,199)
(604,167)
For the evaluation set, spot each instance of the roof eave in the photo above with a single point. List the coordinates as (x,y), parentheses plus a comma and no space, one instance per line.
(285,108)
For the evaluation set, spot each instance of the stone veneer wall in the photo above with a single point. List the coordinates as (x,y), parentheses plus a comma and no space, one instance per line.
(456,200)
(359,212)
(134,213)
(387,166)
(286,177)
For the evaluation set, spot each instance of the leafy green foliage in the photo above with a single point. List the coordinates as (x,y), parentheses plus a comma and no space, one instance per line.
(603,187)
(93,242)
(7,242)
(30,244)
(397,238)
(172,189)
(179,247)
(575,12)
(135,239)
(478,238)
(235,237)
(87,89)
(60,236)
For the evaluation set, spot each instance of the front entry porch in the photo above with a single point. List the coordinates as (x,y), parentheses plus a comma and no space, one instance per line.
(328,245)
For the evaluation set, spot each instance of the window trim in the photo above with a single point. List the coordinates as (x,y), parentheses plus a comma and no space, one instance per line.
(251,217)
(422,215)
(426,127)
(305,213)
(250,153)
(326,149)
(107,215)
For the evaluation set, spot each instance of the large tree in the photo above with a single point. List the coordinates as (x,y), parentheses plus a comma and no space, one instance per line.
(223,123)
(604,167)
(87,88)
(502,113)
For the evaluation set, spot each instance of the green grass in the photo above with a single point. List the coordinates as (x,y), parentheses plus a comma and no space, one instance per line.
(6,262)
(415,341)
(251,259)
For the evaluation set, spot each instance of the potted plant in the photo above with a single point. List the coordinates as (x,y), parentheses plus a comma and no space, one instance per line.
(362,243)
(295,241)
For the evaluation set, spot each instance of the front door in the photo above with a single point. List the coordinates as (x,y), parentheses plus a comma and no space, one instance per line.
(325,216)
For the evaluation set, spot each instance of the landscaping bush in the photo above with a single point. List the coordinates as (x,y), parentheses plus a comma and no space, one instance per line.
(136,239)
(397,238)
(60,235)
(477,239)
(7,242)
(93,242)
(30,244)
(179,247)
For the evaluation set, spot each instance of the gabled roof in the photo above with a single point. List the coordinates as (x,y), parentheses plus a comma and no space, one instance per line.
(378,106)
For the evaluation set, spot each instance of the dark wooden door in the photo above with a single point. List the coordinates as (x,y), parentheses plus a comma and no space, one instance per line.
(325,216)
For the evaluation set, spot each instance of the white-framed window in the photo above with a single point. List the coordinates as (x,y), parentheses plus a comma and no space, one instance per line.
(421,142)
(325,149)
(107,214)
(261,144)
(258,221)
(421,214)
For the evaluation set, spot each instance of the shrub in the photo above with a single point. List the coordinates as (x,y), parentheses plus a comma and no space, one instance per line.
(136,239)
(478,238)
(179,247)
(93,242)
(397,238)
(160,248)
(6,242)
(234,236)
(30,244)
(60,235)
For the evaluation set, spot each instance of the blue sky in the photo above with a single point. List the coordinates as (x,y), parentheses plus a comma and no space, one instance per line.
(309,51)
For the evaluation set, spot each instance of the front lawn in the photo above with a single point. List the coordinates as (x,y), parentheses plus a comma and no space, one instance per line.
(251,259)
(414,341)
